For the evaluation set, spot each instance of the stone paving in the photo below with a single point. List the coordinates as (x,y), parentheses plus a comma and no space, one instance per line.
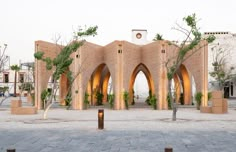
(135,130)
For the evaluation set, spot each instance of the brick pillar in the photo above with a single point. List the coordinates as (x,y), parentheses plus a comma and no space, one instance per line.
(204,52)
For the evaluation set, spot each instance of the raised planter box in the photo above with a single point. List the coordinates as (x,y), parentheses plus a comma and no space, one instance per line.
(217,94)
(16,103)
(24,111)
(206,109)
(17,109)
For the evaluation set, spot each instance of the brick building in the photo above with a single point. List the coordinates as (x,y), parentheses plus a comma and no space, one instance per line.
(121,61)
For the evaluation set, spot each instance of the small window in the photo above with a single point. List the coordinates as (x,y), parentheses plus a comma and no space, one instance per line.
(6,78)
(138,35)
(21,77)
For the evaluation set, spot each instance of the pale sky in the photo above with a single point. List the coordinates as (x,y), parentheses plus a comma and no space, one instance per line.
(24,21)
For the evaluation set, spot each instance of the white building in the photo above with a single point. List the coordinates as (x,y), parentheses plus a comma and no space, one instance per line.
(227,42)
(7,77)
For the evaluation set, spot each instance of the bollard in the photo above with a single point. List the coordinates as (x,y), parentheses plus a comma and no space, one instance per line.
(11,150)
(100,119)
(168,149)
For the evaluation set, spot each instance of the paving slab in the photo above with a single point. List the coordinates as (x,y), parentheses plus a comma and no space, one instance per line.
(139,130)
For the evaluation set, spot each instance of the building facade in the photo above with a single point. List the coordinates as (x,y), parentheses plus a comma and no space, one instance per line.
(226,42)
(121,61)
(7,78)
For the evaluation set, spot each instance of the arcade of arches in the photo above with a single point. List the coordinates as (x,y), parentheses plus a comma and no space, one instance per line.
(114,67)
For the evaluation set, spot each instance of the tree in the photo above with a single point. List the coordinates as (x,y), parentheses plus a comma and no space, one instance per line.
(222,72)
(3,58)
(158,37)
(193,38)
(61,64)
(15,68)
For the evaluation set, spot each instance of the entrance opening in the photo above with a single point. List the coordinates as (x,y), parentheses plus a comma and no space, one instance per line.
(141,89)
(99,85)
(185,97)
(141,85)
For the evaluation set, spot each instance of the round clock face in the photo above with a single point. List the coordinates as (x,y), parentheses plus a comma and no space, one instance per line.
(138,35)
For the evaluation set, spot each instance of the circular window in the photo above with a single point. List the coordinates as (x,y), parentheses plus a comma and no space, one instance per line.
(139,35)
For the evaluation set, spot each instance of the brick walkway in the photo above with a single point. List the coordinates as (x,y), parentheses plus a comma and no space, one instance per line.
(136,130)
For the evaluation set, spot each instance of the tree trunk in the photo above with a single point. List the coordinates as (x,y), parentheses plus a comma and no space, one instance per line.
(222,90)
(15,85)
(45,113)
(50,102)
(173,103)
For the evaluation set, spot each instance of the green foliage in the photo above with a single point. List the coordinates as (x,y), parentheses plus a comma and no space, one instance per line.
(171,71)
(48,63)
(68,99)
(158,37)
(39,55)
(149,97)
(15,68)
(26,86)
(86,101)
(63,60)
(191,21)
(3,90)
(210,38)
(44,96)
(153,101)
(198,98)
(99,97)
(90,31)
(209,96)
(169,75)
(126,99)
(111,98)
(169,102)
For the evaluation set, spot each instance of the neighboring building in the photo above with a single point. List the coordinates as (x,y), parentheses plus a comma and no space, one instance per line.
(226,41)
(7,77)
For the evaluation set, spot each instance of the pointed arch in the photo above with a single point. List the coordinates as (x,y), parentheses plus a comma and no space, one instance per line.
(186,83)
(98,82)
(145,70)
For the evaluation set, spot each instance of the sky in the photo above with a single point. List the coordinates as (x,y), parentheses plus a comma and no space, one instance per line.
(22,22)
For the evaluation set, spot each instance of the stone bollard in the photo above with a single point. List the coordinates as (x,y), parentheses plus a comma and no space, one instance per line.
(11,150)
(168,149)
(100,119)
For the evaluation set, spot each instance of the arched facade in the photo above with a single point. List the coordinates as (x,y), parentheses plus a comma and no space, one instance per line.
(121,61)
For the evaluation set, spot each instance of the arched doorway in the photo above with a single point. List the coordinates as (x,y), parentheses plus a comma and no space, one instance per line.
(142,73)
(98,85)
(141,88)
(185,85)
(64,87)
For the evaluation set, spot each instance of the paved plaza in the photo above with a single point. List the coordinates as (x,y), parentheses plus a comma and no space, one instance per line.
(135,130)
